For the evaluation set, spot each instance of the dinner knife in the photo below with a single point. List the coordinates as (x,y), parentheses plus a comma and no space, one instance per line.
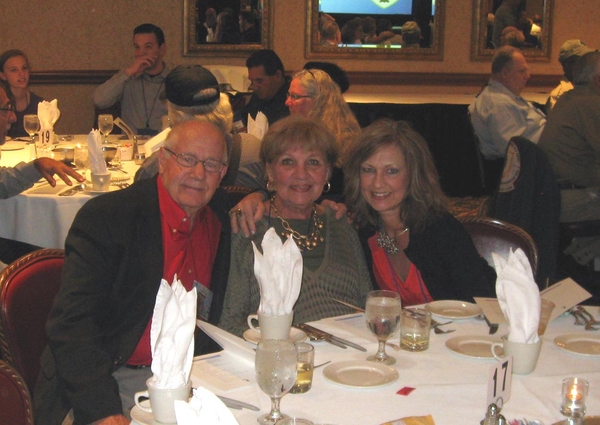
(335,340)
(236,404)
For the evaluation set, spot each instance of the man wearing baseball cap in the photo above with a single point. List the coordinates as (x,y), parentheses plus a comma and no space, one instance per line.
(570,51)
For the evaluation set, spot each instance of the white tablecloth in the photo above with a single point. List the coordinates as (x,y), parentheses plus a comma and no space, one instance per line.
(39,216)
(451,387)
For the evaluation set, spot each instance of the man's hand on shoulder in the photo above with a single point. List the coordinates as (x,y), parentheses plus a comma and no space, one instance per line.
(340,209)
(48,167)
(113,420)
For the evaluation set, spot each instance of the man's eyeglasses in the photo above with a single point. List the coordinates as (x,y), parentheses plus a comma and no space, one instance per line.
(296,96)
(188,161)
(9,107)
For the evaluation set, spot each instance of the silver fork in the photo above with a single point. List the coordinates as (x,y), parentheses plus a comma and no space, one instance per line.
(589,319)
(579,320)
(436,327)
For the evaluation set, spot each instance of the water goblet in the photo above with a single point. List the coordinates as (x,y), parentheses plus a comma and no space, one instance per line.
(105,125)
(383,318)
(81,158)
(31,124)
(275,369)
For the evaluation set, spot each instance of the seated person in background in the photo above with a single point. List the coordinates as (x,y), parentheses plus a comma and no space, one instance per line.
(337,74)
(571,141)
(411,35)
(413,245)
(352,32)
(384,30)
(250,32)
(193,92)
(117,251)
(498,112)
(298,155)
(269,87)
(507,15)
(512,36)
(570,51)
(14,71)
(227,31)
(330,33)
(14,180)
(139,86)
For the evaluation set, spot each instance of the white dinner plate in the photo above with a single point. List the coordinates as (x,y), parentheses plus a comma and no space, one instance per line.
(12,146)
(360,374)
(116,176)
(144,418)
(89,191)
(589,420)
(584,343)
(453,309)
(296,335)
(475,346)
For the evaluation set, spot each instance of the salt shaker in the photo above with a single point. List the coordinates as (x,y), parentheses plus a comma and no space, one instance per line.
(493,416)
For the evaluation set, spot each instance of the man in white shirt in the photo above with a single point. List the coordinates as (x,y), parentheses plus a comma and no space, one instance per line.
(139,86)
(498,112)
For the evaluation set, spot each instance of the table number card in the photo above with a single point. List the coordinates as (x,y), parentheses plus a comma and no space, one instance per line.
(499,382)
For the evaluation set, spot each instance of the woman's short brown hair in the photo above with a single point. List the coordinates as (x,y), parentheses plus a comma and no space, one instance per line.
(424,198)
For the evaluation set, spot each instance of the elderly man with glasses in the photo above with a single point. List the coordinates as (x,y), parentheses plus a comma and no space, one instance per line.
(120,246)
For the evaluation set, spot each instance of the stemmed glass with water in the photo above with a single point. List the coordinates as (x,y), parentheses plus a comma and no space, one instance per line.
(275,369)
(105,125)
(383,319)
(31,124)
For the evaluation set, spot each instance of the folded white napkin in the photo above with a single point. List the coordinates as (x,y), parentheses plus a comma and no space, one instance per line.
(172,334)
(95,154)
(278,271)
(518,295)
(48,114)
(156,142)
(204,408)
(259,126)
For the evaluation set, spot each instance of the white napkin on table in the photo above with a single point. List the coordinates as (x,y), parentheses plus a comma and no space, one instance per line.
(95,154)
(48,114)
(172,334)
(278,271)
(203,409)
(518,296)
(259,126)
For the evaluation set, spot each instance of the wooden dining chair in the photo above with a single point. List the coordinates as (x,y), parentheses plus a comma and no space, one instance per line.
(27,290)
(15,398)
(493,235)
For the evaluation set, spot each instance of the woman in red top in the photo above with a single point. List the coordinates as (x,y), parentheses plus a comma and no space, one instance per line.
(414,245)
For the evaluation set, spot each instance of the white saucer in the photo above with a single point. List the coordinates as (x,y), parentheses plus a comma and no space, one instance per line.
(475,346)
(360,374)
(88,190)
(584,343)
(144,418)
(453,309)
(12,146)
(296,335)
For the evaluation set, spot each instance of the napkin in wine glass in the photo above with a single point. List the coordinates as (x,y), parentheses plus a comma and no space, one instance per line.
(48,114)
(95,154)
(278,270)
(172,334)
(203,408)
(518,296)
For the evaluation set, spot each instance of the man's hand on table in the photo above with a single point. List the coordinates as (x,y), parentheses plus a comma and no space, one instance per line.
(252,208)
(48,167)
(113,420)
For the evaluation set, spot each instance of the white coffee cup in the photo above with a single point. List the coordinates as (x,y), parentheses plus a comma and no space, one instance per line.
(272,327)
(101,182)
(525,356)
(162,401)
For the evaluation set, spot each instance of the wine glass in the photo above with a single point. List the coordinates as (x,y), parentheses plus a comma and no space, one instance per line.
(81,158)
(105,125)
(275,369)
(383,318)
(31,124)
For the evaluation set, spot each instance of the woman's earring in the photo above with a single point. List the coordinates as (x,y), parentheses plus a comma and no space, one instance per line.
(270,186)
(327,187)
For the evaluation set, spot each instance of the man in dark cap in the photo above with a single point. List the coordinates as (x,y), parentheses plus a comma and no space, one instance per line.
(192,92)
(119,248)
(570,51)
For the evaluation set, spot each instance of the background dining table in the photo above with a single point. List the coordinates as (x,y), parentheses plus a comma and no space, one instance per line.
(39,216)
(449,386)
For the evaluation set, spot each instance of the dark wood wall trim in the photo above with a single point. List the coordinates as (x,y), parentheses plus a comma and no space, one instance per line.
(361,78)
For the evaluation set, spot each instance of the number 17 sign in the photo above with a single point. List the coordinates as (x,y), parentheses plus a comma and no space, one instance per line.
(499,382)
